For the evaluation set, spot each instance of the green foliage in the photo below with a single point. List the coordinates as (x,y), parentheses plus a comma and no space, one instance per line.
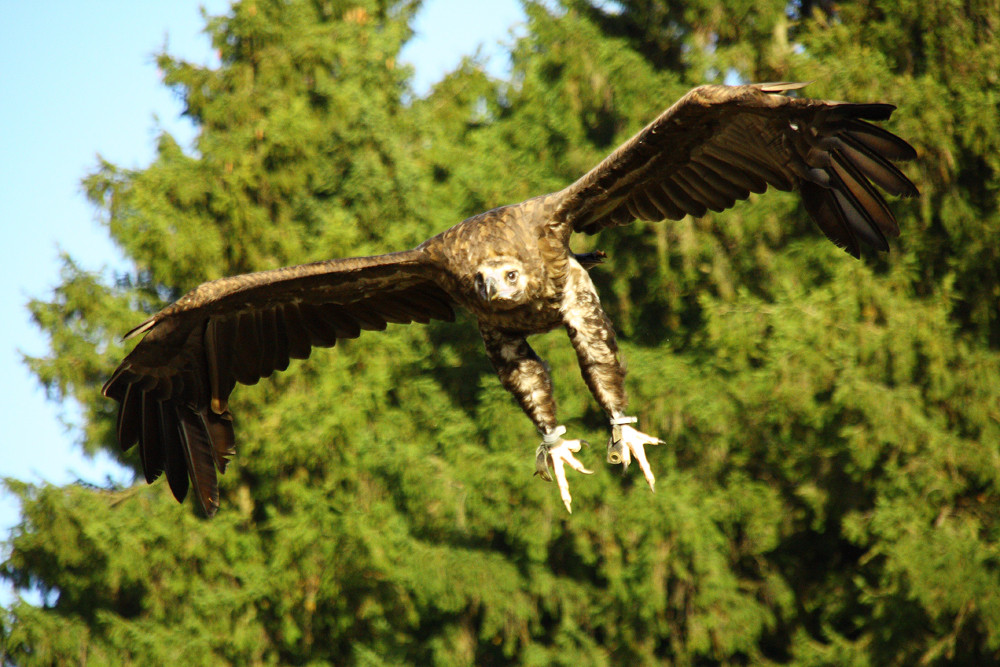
(831,486)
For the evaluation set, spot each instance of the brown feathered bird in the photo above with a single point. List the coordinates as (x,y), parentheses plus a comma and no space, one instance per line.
(513,270)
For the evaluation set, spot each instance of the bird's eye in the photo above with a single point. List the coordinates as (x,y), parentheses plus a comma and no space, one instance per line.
(511,276)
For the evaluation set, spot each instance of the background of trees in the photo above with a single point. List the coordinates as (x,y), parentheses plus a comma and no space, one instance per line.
(829,493)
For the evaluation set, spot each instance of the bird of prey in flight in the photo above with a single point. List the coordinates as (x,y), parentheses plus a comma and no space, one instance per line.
(513,270)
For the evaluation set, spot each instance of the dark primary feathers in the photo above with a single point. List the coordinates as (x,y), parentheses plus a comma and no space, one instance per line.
(174,386)
(713,147)
(718,144)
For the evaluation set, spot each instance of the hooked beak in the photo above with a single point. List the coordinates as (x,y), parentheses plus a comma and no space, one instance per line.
(487,287)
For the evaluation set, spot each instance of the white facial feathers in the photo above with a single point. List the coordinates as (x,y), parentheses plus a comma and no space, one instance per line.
(501,279)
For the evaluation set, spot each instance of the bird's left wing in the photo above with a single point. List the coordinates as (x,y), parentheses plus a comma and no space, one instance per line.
(173,388)
(718,144)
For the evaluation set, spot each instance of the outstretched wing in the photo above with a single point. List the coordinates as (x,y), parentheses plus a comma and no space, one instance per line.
(718,144)
(173,388)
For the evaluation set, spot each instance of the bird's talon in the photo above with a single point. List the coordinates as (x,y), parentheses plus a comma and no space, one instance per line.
(632,443)
(558,456)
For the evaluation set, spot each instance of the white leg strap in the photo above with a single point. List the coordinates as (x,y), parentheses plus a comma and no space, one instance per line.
(620,420)
(552,437)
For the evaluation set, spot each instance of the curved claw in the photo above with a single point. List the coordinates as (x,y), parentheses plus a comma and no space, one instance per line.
(632,443)
(559,456)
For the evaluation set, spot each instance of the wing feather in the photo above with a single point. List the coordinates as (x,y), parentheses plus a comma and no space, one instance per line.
(174,459)
(343,323)
(640,205)
(221,436)
(882,172)
(197,449)
(663,203)
(282,356)
(718,182)
(174,387)
(152,456)
(718,144)
(866,197)
(675,211)
(823,207)
(219,333)
(247,349)
(712,198)
(740,177)
(877,140)
(366,318)
(859,223)
(299,343)
(683,198)
(321,324)
(130,417)
(754,160)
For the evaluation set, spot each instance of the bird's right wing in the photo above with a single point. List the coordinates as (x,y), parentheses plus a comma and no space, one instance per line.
(173,388)
(718,144)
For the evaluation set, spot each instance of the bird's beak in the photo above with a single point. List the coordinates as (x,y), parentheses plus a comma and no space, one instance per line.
(487,289)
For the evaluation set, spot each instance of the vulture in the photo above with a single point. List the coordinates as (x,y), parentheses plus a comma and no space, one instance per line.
(513,270)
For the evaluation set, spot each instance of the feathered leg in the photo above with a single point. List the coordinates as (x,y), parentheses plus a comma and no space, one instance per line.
(593,338)
(526,376)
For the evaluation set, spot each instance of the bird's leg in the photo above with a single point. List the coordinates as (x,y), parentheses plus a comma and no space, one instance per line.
(526,376)
(593,338)
(558,453)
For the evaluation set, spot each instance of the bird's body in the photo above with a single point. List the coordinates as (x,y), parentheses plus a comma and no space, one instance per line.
(508,233)
(513,270)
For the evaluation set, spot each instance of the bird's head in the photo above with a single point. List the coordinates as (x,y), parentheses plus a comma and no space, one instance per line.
(502,281)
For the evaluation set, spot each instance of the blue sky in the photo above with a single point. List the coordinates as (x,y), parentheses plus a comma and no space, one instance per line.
(78,80)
